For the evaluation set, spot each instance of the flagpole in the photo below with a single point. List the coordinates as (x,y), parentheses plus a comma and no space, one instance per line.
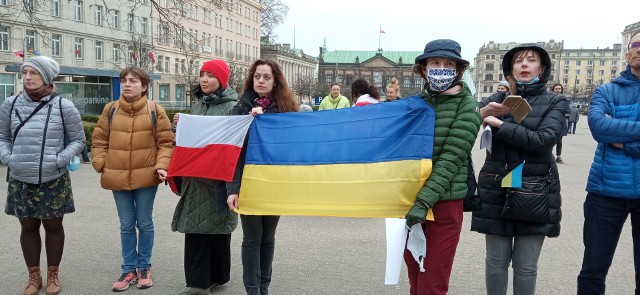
(379,35)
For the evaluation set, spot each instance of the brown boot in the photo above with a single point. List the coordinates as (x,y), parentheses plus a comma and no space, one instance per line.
(35,281)
(53,283)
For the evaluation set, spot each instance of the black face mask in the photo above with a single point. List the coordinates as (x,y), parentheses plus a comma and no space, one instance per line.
(208,98)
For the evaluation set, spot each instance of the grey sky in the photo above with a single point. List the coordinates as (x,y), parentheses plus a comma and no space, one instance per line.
(410,24)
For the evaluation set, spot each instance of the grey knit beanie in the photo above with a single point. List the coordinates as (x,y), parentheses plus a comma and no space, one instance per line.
(46,66)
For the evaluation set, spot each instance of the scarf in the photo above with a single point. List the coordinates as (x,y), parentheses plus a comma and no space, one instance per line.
(38,94)
(263,102)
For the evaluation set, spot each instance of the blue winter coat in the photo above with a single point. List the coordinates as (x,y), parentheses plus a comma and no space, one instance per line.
(614,117)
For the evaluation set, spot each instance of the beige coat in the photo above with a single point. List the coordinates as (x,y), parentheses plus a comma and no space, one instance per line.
(125,152)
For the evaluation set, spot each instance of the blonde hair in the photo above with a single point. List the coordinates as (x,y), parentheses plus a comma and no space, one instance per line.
(395,85)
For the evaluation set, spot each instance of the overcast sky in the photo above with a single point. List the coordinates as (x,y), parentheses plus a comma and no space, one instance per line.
(410,24)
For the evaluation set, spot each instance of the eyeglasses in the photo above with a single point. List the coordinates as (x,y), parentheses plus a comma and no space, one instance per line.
(635,45)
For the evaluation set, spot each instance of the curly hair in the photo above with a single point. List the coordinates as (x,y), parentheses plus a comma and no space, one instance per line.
(394,85)
(361,86)
(281,94)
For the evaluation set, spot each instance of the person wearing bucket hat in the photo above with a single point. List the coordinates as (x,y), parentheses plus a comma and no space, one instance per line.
(207,225)
(458,122)
(512,233)
(39,184)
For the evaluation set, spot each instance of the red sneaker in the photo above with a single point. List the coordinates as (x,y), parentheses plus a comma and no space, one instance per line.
(126,279)
(144,279)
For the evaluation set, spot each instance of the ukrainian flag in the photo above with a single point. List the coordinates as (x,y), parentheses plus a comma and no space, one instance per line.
(367,161)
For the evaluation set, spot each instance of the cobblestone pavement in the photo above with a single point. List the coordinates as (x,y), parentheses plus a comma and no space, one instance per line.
(314,255)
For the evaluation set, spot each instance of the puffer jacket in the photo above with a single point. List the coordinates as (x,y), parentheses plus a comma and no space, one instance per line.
(39,153)
(125,152)
(330,103)
(456,129)
(202,208)
(531,142)
(614,115)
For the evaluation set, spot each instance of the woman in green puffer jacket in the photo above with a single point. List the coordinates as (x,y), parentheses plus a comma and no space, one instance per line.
(202,213)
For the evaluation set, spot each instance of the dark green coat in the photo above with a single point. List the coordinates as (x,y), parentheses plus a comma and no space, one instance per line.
(457,124)
(202,208)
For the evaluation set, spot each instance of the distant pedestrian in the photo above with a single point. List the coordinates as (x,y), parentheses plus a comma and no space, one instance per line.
(40,132)
(613,186)
(85,155)
(334,100)
(131,148)
(574,116)
(363,93)
(503,87)
(305,108)
(393,90)
(558,88)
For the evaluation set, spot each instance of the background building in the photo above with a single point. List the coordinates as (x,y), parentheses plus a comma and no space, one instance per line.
(299,68)
(377,67)
(93,40)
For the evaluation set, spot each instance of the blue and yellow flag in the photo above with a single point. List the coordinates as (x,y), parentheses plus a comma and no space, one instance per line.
(354,162)
(514,178)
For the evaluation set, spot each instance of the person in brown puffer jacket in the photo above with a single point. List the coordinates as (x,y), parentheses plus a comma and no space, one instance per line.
(132,148)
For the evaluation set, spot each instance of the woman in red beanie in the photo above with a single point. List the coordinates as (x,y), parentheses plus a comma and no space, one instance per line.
(202,213)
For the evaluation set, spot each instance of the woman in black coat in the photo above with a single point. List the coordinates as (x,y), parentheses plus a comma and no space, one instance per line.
(513,235)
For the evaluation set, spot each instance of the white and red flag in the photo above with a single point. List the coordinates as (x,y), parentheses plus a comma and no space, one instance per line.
(207,147)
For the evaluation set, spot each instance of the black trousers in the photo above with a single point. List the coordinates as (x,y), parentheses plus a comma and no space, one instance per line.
(207,260)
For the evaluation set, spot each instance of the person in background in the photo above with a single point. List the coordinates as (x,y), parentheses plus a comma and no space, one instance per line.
(574,116)
(613,186)
(393,90)
(334,100)
(85,155)
(40,133)
(202,213)
(305,108)
(442,67)
(557,88)
(518,239)
(363,93)
(132,154)
(265,91)
(503,87)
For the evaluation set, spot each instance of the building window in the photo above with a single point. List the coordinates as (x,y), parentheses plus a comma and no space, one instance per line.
(99,50)
(590,63)
(164,92)
(577,72)
(179,92)
(115,52)
(3,3)
(163,3)
(406,82)
(97,15)
(4,38)
(602,62)
(78,44)
(166,69)
(114,18)
(130,22)
(489,67)
(31,40)
(578,62)
(417,82)
(143,24)
(566,62)
(56,44)
(488,77)
(6,84)
(55,7)
(77,10)
(601,72)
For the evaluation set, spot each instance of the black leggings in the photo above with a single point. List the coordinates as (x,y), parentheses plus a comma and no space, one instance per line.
(559,147)
(32,244)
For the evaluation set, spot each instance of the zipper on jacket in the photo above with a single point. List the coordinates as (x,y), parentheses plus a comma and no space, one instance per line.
(44,138)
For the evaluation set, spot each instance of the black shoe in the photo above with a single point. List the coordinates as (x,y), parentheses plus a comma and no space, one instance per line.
(559,160)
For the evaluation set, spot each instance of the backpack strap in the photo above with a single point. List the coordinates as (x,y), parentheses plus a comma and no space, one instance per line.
(114,108)
(64,128)
(153,116)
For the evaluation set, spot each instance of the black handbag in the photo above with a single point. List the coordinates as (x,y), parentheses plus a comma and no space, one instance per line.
(472,201)
(529,203)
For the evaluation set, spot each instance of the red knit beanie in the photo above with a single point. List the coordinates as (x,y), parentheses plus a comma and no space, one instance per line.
(219,69)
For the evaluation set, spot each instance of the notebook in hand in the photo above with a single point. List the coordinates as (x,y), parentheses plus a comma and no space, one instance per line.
(520,108)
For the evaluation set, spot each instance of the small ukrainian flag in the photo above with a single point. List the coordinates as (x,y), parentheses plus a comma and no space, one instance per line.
(514,178)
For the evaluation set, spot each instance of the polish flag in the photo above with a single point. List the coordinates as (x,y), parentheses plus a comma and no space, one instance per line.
(18,53)
(207,147)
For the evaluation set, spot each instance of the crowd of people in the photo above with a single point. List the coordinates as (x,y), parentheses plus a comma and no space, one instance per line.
(133,142)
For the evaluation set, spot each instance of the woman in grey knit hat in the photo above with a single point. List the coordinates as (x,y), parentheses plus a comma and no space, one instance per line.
(39,186)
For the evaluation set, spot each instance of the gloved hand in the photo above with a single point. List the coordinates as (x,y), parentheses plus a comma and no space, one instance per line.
(417,213)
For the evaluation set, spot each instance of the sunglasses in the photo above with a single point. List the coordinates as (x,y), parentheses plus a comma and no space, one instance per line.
(634,45)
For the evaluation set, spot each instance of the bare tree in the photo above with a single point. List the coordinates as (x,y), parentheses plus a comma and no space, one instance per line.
(238,74)
(274,13)
(304,87)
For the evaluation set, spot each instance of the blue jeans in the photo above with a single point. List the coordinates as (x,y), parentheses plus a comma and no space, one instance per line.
(604,218)
(258,245)
(524,252)
(135,209)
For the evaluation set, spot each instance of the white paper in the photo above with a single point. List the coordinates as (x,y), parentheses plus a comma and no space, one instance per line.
(396,229)
(486,138)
